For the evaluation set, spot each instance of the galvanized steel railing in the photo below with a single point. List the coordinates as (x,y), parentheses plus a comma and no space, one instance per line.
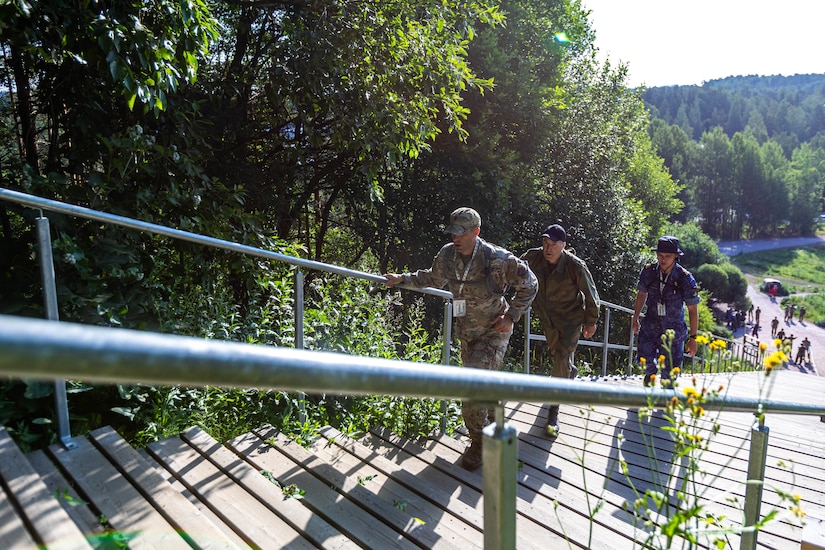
(43,349)
(48,350)
(50,292)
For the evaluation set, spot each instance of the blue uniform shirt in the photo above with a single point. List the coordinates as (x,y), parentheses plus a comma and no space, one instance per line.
(674,292)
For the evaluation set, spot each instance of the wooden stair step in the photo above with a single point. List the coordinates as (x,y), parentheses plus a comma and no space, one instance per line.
(124,508)
(350,509)
(290,510)
(193,526)
(37,507)
(254,522)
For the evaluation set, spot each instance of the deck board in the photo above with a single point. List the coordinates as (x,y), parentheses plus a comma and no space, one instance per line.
(178,511)
(124,508)
(247,517)
(383,491)
(50,523)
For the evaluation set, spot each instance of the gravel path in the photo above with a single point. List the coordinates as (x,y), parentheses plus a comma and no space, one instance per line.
(770,307)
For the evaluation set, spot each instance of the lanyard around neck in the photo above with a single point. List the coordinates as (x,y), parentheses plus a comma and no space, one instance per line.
(463,278)
(662,283)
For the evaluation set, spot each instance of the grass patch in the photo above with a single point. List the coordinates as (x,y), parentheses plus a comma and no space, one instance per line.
(801,270)
(803,265)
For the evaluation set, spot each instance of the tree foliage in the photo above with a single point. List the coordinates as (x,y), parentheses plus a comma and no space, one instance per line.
(743,188)
(342,131)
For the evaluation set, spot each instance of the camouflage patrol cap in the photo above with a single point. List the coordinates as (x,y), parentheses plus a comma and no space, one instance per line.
(462,220)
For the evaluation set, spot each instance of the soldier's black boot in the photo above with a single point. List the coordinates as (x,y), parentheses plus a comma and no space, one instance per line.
(552,427)
(471,459)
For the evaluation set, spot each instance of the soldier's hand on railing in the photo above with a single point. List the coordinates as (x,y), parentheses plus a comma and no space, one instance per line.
(393,279)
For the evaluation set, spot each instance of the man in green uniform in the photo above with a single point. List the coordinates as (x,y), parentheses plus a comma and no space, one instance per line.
(567,304)
(478,274)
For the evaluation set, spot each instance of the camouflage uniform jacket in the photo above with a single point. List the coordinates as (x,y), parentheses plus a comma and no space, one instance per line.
(491,272)
(567,296)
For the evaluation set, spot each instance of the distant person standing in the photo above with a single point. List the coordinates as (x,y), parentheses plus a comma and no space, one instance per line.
(567,304)
(774,326)
(665,287)
(750,314)
(757,314)
(802,312)
(479,275)
(800,355)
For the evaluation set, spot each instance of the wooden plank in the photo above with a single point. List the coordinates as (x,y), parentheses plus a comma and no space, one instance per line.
(539,521)
(470,523)
(442,528)
(253,521)
(196,529)
(299,517)
(814,535)
(124,508)
(50,522)
(288,463)
(601,461)
(227,531)
(77,508)
(13,532)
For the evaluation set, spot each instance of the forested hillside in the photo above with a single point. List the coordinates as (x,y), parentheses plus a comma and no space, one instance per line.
(750,151)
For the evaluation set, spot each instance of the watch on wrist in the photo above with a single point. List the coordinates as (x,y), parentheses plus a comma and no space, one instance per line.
(692,337)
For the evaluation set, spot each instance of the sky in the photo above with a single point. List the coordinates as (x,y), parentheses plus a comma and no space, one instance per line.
(667,42)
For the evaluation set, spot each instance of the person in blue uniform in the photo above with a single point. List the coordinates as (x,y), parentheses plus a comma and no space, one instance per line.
(666,288)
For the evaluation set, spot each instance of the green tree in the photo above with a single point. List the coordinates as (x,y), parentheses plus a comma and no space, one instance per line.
(805,182)
(713,186)
(311,101)
(752,180)
(714,279)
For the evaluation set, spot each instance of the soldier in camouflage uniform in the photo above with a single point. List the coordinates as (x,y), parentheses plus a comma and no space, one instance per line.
(478,274)
(666,288)
(567,304)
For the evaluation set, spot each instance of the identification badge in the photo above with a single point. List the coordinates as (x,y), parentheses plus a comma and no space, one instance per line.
(661,309)
(459,308)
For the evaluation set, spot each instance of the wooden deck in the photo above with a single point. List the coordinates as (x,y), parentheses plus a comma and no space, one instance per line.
(264,491)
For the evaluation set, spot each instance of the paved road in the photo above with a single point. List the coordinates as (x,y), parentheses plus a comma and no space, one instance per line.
(771,308)
(732,248)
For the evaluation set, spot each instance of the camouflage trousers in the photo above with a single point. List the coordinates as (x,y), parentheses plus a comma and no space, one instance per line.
(483,352)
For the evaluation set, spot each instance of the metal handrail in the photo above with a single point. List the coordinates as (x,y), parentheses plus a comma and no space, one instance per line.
(47,350)
(604,344)
(33,201)
(37,348)
(50,292)
(44,349)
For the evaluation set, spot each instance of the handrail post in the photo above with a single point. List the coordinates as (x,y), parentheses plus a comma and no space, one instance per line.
(500,453)
(756,481)
(527,341)
(605,340)
(630,351)
(61,402)
(299,335)
(447,332)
